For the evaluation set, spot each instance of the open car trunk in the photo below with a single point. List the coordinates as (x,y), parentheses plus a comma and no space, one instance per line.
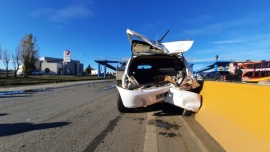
(156,78)
(154,68)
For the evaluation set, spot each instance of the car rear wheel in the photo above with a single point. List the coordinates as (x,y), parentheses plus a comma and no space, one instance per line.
(187,112)
(120,105)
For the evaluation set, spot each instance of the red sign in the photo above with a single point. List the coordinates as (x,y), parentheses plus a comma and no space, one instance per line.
(67,52)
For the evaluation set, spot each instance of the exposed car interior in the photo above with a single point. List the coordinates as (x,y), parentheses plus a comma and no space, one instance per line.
(148,68)
(143,47)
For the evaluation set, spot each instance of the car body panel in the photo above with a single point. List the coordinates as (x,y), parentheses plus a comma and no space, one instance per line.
(178,46)
(184,99)
(142,97)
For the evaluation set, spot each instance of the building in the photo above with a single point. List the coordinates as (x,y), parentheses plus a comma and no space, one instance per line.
(94,72)
(49,65)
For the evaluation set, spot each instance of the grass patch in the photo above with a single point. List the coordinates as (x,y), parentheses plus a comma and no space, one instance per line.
(34,80)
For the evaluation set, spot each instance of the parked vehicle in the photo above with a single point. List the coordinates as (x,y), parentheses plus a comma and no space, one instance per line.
(199,78)
(255,71)
(216,75)
(232,78)
(82,74)
(33,71)
(36,72)
(157,72)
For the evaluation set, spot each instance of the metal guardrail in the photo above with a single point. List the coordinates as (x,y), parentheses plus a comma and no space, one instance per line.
(111,59)
(194,60)
(189,59)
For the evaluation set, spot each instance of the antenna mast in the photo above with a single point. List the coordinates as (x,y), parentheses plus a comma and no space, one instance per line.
(163,36)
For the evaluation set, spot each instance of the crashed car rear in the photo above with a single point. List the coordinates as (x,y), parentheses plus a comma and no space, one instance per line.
(157,72)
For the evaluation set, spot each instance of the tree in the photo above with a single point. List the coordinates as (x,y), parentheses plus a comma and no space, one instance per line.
(6,59)
(30,53)
(0,52)
(88,69)
(16,59)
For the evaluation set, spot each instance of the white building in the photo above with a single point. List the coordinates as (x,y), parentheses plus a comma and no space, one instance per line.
(49,65)
(94,72)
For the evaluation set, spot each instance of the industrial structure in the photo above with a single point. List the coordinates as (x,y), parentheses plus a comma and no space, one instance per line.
(108,63)
(218,65)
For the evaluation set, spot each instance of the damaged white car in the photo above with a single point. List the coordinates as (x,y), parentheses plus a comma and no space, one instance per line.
(157,72)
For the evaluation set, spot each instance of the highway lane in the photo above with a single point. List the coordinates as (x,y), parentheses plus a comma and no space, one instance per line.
(84,117)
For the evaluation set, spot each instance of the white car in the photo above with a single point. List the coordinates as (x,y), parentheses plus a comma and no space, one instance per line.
(157,72)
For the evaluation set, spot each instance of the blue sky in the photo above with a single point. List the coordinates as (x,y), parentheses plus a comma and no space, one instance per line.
(93,29)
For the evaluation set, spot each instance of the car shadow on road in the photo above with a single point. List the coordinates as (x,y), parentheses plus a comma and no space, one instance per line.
(159,109)
(17,128)
(3,114)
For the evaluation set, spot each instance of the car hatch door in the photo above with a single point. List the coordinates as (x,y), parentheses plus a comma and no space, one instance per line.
(154,47)
(143,46)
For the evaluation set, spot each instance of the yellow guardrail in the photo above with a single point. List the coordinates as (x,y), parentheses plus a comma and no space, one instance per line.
(237,115)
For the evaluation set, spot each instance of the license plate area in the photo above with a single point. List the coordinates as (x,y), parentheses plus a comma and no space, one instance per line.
(159,96)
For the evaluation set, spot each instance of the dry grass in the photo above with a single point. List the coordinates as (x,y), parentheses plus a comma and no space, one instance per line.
(32,80)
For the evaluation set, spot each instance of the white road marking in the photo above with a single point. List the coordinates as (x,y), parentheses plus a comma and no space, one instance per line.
(150,140)
(199,142)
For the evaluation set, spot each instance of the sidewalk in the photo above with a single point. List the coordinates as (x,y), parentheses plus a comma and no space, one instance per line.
(49,85)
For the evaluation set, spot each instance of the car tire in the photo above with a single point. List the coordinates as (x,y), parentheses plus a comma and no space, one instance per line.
(120,105)
(119,83)
(187,112)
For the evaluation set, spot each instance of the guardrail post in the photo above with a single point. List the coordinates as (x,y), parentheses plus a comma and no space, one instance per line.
(104,74)
(98,70)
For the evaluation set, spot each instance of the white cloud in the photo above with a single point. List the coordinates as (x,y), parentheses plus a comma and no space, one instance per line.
(64,15)
(239,39)
(228,26)
(228,42)
(254,46)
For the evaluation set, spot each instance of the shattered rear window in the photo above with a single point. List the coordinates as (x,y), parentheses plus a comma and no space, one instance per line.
(144,66)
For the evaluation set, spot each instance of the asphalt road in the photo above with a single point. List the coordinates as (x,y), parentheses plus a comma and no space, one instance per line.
(83,117)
